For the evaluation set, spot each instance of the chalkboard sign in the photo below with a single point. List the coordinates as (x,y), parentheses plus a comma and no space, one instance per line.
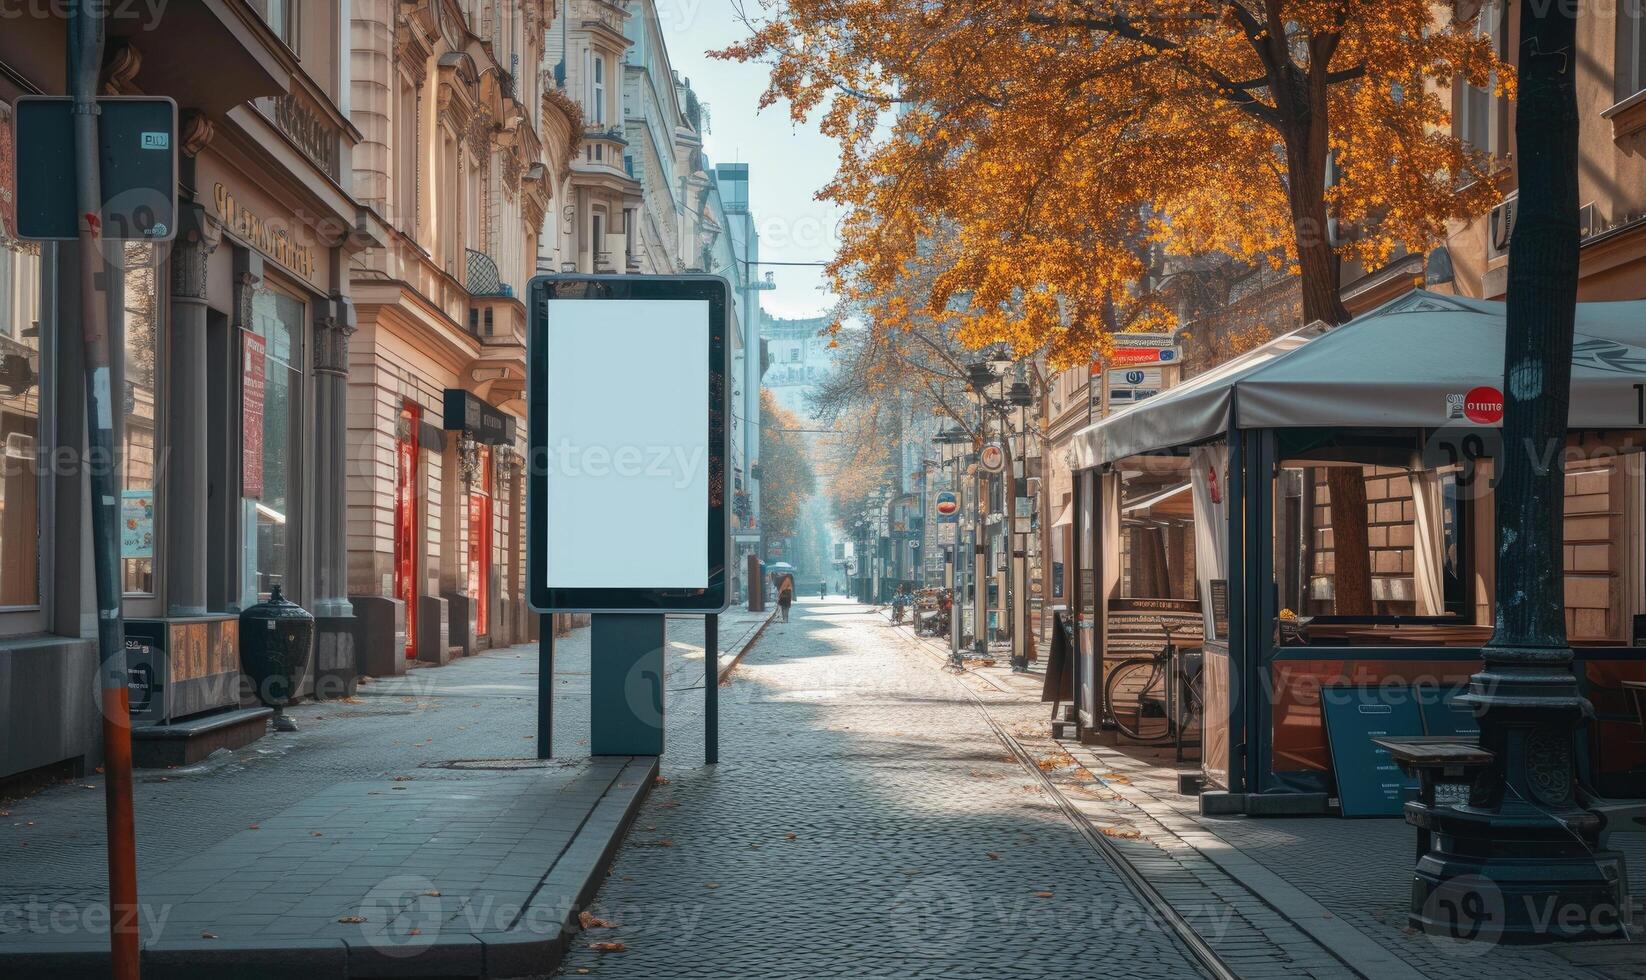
(1442,715)
(1219,589)
(1369,782)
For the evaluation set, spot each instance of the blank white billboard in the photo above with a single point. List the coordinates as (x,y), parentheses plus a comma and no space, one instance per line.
(627,447)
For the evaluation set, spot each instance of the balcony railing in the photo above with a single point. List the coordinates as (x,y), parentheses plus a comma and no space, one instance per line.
(483,278)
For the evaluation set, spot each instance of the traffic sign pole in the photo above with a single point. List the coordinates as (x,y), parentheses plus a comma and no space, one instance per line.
(103,421)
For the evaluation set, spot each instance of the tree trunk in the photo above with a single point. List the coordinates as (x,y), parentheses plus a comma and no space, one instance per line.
(1537,363)
(1320,277)
(1351,551)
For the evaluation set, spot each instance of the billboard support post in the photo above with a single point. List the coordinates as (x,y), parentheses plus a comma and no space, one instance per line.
(711,688)
(626,683)
(545,686)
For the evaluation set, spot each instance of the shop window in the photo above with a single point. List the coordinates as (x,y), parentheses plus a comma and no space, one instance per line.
(1630,68)
(271,400)
(21,372)
(141,303)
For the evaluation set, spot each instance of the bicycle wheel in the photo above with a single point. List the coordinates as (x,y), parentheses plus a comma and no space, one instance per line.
(1136,695)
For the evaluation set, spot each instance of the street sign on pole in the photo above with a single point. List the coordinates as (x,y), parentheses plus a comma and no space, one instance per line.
(137,164)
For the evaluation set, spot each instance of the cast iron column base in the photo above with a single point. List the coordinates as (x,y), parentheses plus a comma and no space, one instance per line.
(1518,863)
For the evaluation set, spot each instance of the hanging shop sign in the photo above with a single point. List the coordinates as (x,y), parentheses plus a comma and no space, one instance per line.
(992,458)
(465,412)
(253,384)
(947,506)
(638,519)
(307,128)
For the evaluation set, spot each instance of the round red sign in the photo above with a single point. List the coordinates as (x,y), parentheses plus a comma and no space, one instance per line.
(1483,405)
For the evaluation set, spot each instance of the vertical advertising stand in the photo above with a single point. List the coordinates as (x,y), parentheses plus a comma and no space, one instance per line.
(629,438)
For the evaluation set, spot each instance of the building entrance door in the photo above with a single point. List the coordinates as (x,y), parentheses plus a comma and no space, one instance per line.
(405,519)
(480,542)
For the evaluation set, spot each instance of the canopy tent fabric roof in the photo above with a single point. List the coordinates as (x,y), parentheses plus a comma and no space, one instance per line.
(1194,411)
(1406,364)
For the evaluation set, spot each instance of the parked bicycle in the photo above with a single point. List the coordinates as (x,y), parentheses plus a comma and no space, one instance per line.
(1155,699)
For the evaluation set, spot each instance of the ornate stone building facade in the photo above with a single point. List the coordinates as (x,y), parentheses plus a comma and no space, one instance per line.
(232,345)
(462,150)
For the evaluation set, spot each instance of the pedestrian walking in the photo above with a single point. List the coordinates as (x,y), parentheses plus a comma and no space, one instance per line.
(785,596)
(823,589)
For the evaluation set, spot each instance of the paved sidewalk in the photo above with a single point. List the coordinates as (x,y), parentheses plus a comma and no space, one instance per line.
(1296,887)
(408,829)
(865,821)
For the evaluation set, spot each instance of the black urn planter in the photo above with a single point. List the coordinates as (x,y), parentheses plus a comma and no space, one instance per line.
(276,642)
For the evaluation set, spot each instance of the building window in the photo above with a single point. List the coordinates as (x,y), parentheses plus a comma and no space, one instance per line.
(21,371)
(141,301)
(406,165)
(1630,71)
(599,97)
(1480,118)
(281,16)
(272,386)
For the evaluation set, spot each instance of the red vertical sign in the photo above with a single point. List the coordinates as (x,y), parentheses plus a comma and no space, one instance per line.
(253,382)
(8,176)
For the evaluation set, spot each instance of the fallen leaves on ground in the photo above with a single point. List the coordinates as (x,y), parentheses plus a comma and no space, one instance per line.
(208,935)
(255,826)
(351,919)
(1115,777)
(670,804)
(665,842)
(660,780)
(608,947)
(711,884)
(1054,762)
(1124,833)
(791,836)
(432,893)
(589,920)
(992,856)
(404,779)
(1042,894)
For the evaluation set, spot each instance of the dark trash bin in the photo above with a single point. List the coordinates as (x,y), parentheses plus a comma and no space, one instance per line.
(276,642)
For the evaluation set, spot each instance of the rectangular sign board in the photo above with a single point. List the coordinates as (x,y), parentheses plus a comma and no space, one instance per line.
(628,408)
(137,138)
(1369,781)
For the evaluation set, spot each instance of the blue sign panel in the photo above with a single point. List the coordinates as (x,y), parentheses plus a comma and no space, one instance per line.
(1369,781)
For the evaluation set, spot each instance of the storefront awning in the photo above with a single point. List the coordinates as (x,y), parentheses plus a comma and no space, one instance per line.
(1409,364)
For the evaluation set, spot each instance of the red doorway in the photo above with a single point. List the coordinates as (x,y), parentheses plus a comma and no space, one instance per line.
(405,519)
(480,542)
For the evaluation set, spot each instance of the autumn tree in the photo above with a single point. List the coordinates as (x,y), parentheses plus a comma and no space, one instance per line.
(1059,144)
(786,476)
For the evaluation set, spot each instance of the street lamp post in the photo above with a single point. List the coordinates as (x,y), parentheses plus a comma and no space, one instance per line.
(950,440)
(983,376)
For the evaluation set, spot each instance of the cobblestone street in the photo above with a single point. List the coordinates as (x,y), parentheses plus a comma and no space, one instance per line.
(865,820)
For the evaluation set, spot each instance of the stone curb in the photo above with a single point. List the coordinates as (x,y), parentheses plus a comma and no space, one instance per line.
(754,638)
(567,887)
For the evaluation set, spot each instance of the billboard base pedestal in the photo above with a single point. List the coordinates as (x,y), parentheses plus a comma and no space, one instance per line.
(626,684)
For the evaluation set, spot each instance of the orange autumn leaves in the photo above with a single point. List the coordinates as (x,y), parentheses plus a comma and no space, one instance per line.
(1034,164)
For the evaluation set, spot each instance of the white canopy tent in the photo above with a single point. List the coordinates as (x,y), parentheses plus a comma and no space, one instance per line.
(1403,365)
(1406,366)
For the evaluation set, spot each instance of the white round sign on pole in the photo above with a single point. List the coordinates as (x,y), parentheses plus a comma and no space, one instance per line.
(992,458)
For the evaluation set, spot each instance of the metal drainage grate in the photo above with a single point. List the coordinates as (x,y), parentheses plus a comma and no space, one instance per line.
(503,764)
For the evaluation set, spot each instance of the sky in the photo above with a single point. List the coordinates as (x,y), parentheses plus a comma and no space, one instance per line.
(788,162)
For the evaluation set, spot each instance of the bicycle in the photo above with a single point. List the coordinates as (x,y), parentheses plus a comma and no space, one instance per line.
(1153,699)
